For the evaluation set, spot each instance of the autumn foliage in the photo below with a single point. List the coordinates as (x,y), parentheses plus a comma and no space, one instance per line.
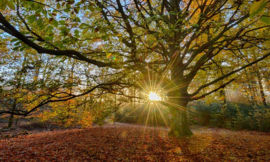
(66,114)
(135,143)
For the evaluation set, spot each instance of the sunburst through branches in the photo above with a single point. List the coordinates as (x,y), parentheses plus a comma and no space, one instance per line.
(153,96)
(153,107)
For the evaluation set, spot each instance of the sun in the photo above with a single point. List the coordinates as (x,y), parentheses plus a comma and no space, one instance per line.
(153,96)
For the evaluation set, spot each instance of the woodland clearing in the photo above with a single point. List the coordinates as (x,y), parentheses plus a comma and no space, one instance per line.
(123,142)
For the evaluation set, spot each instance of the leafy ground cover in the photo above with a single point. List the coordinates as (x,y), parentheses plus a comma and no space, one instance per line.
(135,143)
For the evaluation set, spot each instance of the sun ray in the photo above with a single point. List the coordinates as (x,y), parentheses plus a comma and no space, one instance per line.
(175,87)
(155,116)
(143,84)
(147,116)
(153,86)
(150,84)
(153,96)
(165,122)
(147,105)
(132,111)
(175,105)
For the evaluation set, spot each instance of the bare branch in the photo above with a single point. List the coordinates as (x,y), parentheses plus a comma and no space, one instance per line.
(206,94)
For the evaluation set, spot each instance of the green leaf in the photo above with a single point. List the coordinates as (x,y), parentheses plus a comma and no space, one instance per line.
(2,5)
(31,18)
(66,10)
(49,38)
(39,22)
(266,19)
(68,6)
(36,6)
(44,12)
(83,25)
(5,3)
(10,4)
(18,43)
(42,26)
(78,4)
(85,31)
(77,9)
(64,30)
(14,40)
(91,8)
(62,22)
(257,7)
(58,5)
(99,9)
(76,32)
(49,29)
(120,38)
(16,48)
(55,23)
(77,19)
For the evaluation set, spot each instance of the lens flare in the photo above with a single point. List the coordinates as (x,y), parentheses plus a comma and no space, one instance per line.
(153,96)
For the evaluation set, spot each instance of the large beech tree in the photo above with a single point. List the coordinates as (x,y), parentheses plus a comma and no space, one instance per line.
(169,43)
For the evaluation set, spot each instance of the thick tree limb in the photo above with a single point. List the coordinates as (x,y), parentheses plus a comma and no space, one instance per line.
(70,53)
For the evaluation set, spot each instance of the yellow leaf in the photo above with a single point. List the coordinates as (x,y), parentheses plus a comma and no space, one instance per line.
(154,44)
(257,7)
(109,55)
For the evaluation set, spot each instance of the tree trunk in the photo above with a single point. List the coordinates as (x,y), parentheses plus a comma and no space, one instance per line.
(223,100)
(10,122)
(178,99)
(179,121)
(263,99)
(251,89)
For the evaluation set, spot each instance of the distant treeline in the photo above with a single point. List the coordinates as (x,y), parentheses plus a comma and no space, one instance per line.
(237,116)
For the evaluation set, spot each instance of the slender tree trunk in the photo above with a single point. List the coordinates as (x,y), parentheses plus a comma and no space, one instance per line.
(263,99)
(223,99)
(251,89)
(222,116)
(10,121)
(18,86)
(11,118)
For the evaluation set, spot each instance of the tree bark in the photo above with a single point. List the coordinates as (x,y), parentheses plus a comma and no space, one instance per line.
(263,99)
(179,122)
(179,127)
(10,121)
(251,89)
(11,118)
(178,111)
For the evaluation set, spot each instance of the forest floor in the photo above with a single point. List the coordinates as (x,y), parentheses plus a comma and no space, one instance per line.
(124,142)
